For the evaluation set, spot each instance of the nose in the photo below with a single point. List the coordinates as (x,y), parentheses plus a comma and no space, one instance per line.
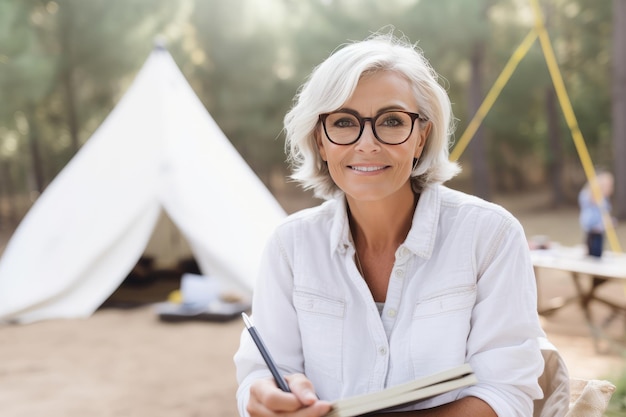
(368,140)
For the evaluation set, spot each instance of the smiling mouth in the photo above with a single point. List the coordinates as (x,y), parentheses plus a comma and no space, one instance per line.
(367,168)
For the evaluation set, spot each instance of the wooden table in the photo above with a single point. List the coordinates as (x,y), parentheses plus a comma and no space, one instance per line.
(588,274)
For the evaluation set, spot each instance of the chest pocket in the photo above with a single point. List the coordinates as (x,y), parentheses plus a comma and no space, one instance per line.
(321,322)
(440,328)
(447,303)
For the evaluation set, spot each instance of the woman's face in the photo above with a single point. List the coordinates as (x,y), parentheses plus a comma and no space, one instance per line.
(369,170)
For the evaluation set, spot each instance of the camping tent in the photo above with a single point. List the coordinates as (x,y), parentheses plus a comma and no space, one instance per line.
(158,150)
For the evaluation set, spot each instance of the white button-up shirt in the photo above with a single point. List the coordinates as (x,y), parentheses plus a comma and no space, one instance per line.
(462,289)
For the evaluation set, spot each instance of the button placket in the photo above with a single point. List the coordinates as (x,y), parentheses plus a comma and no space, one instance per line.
(396,285)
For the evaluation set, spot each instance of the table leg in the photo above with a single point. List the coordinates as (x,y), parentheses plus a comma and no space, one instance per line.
(553,304)
(585,297)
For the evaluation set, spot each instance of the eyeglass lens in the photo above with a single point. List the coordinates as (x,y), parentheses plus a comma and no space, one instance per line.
(390,127)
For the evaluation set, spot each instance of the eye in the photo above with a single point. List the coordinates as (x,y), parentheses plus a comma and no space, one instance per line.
(343,121)
(391,120)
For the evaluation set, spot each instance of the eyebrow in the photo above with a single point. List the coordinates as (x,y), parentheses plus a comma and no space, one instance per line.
(382,110)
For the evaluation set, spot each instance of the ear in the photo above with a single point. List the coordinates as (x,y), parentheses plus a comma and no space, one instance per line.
(424,133)
(320,144)
(423,136)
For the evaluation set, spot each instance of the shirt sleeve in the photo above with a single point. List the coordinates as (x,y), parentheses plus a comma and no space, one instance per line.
(503,346)
(274,317)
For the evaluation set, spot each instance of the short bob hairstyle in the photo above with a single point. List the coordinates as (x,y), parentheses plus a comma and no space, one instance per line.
(333,82)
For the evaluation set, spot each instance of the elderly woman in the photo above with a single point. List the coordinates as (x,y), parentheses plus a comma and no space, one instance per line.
(395,276)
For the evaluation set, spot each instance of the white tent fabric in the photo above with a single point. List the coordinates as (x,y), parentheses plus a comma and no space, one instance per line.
(159,149)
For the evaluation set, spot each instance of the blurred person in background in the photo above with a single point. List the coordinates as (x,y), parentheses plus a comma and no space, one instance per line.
(592,212)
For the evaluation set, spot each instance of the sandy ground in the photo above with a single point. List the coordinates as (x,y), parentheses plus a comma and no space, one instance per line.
(118,363)
(127,363)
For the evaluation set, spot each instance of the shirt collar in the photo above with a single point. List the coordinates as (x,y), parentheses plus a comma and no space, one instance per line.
(421,237)
(340,237)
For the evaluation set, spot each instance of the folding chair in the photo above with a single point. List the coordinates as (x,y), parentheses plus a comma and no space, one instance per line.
(565,396)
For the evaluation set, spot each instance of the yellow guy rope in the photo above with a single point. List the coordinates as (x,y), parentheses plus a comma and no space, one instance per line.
(566,106)
(493,94)
(570,118)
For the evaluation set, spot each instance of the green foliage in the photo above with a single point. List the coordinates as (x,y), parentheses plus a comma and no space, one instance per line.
(617,405)
(62,63)
(239,80)
(65,63)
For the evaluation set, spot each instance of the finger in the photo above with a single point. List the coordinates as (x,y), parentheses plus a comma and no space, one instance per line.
(302,388)
(317,409)
(265,395)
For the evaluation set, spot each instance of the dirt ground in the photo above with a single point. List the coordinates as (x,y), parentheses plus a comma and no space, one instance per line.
(124,362)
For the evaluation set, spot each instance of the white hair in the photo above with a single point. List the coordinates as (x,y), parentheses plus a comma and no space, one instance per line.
(333,82)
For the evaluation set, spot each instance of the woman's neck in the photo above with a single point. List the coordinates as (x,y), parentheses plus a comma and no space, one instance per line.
(384,224)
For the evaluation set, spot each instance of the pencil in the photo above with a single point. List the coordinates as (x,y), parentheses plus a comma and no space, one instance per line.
(280,381)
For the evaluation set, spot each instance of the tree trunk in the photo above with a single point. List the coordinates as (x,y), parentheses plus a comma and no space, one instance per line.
(477,147)
(70,106)
(67,77)
(619,106)
(555,148)
(35,154)
(4,195)
(8,191)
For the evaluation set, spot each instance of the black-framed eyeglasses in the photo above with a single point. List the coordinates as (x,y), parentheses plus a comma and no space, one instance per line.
(392,127)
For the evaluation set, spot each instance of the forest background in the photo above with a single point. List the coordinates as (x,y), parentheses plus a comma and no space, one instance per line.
(65,63)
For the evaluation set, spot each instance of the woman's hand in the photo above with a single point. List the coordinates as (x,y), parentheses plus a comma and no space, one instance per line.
(266,399)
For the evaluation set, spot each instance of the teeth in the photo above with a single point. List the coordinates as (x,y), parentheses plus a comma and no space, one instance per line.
(367,169)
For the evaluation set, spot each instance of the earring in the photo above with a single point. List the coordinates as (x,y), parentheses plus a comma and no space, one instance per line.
(415,162)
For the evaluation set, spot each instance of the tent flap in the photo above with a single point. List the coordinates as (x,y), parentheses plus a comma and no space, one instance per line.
(158,149)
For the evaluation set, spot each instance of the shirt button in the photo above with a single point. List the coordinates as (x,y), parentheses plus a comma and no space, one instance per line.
(382,351)
(391,313)
(400,273)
